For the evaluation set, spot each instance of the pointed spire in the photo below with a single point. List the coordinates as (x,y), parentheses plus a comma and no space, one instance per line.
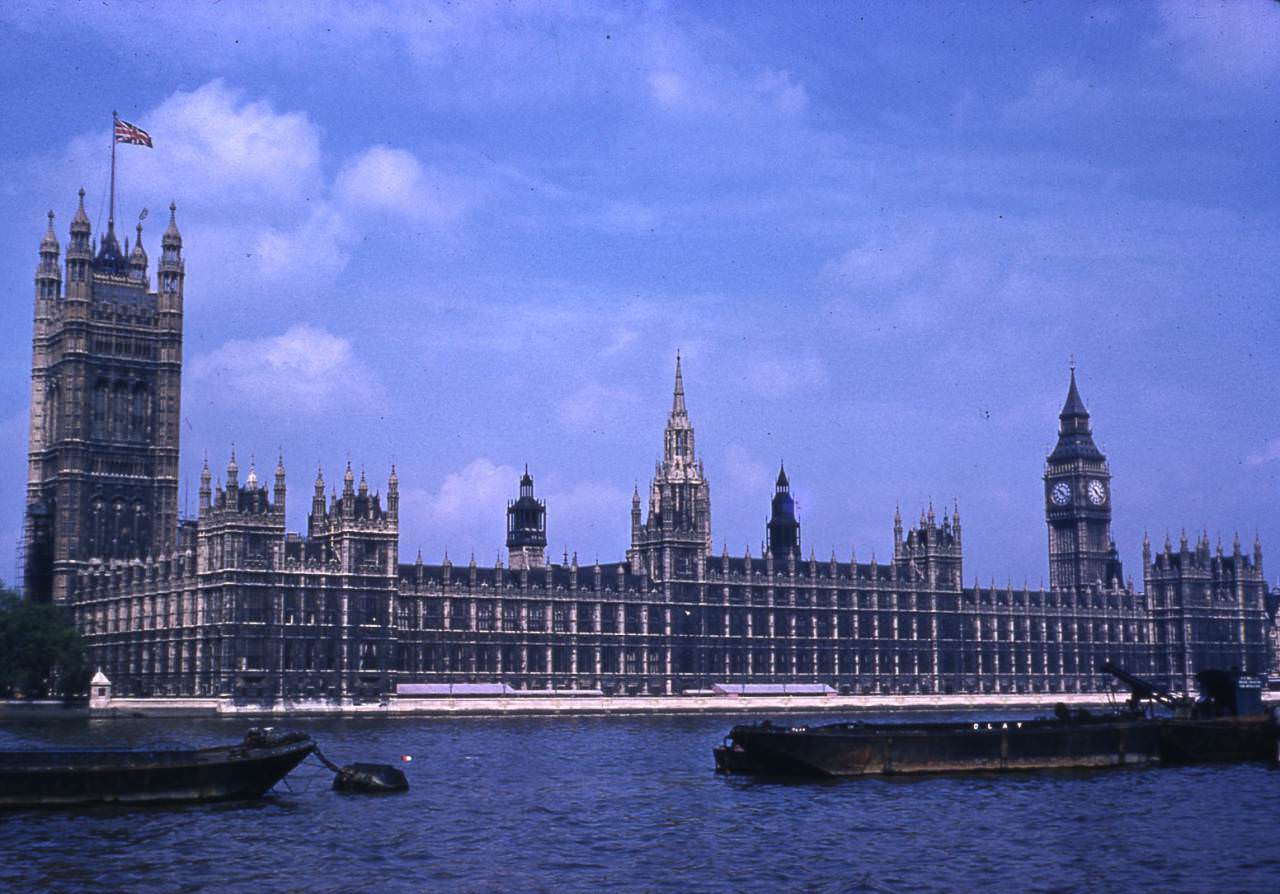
(138,257)
(49,244)
(1074,406)
(80,223)
(171,235)
(783,483)
(677,400)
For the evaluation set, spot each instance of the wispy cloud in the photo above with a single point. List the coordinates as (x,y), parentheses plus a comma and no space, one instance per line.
(306,369)
(1227,41)
(596,408)
(1268,454)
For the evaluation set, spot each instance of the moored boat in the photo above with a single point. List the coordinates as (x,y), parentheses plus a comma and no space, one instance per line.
(1226,723)
(62,777)
(861,749)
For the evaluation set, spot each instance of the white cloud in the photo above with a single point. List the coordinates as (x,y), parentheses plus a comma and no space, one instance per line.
(467,512)
(253,193)
(313,250)
(481,487)
(596,408)
(308,369)
(214,147)
(782,91)
(393,180)
(668,88)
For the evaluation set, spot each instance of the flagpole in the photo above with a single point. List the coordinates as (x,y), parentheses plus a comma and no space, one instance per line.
(111,212)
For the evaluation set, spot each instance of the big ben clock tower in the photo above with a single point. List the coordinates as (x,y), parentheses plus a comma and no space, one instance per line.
(1077,487)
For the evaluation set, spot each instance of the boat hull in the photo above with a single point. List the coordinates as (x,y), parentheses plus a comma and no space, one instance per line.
(903,749)
(1220,740)
(53,778)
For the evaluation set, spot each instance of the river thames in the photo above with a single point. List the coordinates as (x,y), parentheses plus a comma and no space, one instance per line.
(585,804)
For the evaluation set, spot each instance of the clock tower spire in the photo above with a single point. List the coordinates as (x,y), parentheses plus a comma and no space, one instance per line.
(1077,483)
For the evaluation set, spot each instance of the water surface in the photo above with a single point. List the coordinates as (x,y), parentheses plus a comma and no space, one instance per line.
(582,804)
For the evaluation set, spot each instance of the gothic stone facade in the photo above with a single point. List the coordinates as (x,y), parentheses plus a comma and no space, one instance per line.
(232,603)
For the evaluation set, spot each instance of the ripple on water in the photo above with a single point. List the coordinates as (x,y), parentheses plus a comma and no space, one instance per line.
(568,805)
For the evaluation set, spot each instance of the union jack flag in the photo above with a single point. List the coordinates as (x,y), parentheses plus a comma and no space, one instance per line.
(131,133)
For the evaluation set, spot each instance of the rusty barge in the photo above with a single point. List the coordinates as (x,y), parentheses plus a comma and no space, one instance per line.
(101,775)
(1226,724)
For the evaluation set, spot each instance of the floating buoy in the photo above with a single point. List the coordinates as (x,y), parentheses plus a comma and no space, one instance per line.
(367,778)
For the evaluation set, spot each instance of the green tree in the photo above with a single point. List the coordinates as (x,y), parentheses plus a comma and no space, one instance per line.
(41,653)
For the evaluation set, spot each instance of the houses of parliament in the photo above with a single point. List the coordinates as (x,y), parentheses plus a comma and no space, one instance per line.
(231,603)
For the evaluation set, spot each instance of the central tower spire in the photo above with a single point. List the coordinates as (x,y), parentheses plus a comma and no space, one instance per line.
(677,533)
(677,444)
(677,401)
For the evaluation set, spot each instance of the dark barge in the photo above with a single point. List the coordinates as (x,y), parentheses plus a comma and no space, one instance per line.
(1226,724)
(231,772)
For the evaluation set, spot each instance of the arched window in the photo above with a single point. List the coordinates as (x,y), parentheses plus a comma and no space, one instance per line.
(119,412)
(119,530)
(97,526)
(140,413)
(139,535)
(98,422)
(51,412)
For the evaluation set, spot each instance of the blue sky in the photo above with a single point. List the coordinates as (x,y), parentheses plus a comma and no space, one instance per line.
(466,237)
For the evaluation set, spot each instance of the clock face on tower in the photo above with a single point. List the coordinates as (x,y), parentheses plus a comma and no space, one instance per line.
(1097,492)
(1061,493)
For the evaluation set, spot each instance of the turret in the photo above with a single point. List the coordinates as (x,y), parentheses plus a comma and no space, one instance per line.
(138,259)
(526,527)
(206,489)
(278,492)
(393,495)
(48,277)
(317,498)
(784,528)
(170,270)
(233,481)
(79,253)
(348,492)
